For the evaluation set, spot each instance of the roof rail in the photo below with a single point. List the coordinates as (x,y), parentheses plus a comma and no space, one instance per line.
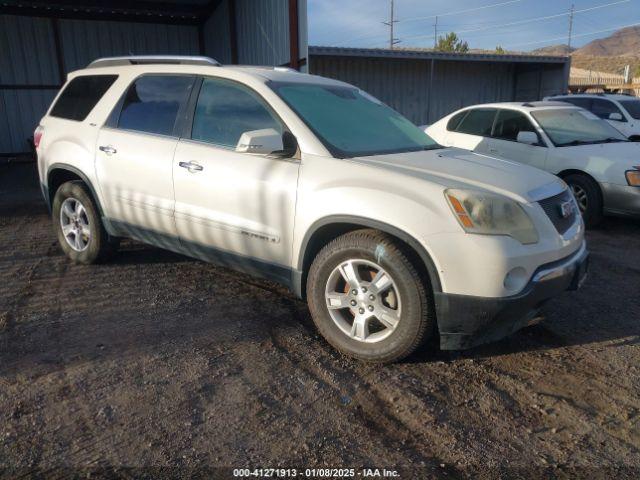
(153,59)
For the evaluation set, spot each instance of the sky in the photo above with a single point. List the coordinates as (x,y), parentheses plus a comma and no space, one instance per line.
(511,24)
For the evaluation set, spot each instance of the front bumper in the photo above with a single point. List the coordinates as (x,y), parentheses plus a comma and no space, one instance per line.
(466,321)
(621,199)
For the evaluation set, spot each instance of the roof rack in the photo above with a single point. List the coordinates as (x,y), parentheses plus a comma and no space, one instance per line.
(153,59)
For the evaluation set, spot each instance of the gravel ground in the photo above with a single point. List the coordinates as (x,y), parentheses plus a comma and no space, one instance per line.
(155,364)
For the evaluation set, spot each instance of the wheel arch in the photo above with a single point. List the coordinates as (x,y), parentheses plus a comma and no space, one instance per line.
(573,171)
(59,173)
(327,229)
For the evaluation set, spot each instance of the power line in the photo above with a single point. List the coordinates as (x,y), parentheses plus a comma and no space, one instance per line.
(460,11)
(529,20)
(579,35)
(362,37)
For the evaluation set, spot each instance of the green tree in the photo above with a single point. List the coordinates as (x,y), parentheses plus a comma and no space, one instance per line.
(451,43)
(500,50)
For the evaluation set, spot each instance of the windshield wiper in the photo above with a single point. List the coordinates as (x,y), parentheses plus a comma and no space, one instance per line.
(612,140)
(573,143)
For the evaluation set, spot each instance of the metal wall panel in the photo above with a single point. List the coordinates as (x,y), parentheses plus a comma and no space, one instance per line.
(20,112)
(263,32)
(401,84)
(27,54)
(217,43)
(404,83)
(85,40)
(459,84)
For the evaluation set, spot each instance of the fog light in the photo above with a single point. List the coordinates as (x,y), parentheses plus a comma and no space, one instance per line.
(515,280)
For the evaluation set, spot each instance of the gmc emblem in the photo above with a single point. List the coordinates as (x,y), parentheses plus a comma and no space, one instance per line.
(566,209)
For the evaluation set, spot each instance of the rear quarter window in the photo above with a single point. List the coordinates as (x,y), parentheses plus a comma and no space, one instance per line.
(478,122)
(80,96)
(454,121)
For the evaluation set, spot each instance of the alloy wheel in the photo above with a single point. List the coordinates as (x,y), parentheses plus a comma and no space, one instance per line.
(75,224)
(363,300)
(581,197)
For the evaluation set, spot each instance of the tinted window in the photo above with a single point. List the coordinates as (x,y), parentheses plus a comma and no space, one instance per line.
(633,107)
(509,123)
(604,108)
(454,121)
(81,95)
(351,122)
(478,122)
(226,110)
(578,102)
(152,103)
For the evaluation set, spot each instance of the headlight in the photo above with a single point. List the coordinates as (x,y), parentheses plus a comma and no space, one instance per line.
(489,214)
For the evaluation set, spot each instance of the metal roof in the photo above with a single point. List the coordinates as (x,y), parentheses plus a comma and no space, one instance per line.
(419,54)
(148,11)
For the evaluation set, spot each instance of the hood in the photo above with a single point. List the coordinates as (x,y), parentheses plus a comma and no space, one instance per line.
(628,152)
(456,168)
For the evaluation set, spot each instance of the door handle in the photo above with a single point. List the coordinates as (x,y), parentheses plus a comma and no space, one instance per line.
(108,149)
(191,166)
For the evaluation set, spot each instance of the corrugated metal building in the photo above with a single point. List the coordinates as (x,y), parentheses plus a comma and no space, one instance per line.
(40,42)
(425,86)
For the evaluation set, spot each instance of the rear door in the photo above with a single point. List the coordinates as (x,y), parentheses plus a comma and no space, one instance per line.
(473,131)
(504,144)
(234,208)
(135,154)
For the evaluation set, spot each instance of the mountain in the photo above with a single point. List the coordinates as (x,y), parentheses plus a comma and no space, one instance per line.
(553,50)
(625,42)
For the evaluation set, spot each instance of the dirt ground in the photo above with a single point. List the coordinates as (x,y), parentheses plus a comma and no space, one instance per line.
(157,365)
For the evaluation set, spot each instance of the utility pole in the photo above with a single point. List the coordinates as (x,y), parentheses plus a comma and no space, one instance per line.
(435,33)
(570,27)
(392,21)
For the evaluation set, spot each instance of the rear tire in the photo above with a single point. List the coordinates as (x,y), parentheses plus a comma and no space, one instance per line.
(587,194)
(77,224)
(383,313)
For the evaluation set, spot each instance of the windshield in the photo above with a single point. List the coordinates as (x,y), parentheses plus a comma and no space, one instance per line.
(572,126)
(633,107)
(351,122)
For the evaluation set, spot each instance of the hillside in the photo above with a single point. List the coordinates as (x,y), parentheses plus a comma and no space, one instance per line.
(553,50)
(625,42)
(607,64)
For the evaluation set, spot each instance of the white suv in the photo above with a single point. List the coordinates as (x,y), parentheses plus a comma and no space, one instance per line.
(621,111)
(391,238)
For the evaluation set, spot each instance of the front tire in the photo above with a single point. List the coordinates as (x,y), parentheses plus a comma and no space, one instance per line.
(367,299)
(587,193)
(77,223)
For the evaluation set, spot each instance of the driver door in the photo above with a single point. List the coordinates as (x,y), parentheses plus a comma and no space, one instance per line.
(504,144)
(234,208)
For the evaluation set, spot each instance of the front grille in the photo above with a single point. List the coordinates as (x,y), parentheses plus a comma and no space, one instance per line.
(552,206)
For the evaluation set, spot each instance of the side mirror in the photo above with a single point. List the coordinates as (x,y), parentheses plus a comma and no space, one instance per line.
(265,142)
(617,116)
(530,138)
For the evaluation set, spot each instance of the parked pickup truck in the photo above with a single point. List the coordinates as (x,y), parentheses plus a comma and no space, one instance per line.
(391,238)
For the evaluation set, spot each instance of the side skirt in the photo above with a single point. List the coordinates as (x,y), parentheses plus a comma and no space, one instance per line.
(223,258)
